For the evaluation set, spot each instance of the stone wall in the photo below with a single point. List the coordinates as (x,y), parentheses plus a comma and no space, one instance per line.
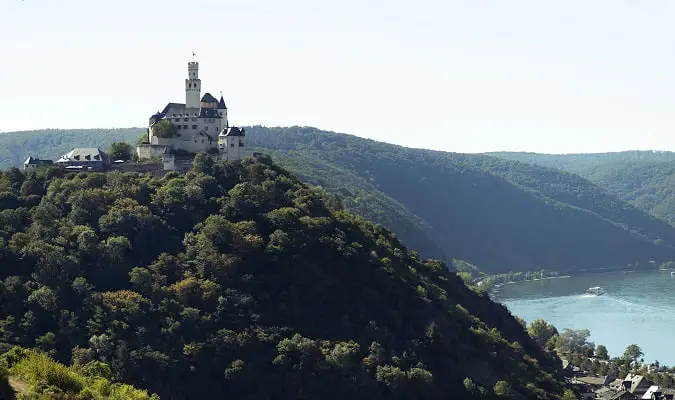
(134,167)
(146,150)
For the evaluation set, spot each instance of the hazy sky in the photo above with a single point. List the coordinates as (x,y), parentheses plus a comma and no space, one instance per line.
(466,76)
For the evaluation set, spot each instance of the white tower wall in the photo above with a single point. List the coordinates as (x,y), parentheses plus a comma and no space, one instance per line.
(223,121)
(193,86)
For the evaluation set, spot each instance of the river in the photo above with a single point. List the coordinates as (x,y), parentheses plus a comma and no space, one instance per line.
(637,307)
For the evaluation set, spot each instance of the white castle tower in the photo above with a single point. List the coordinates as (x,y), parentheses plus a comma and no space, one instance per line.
(193,86)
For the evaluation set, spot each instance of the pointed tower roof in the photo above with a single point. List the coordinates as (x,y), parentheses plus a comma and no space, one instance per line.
(221,103)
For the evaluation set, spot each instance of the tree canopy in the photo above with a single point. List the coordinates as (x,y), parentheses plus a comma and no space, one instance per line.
(633,353)
(120,151)
(235,279)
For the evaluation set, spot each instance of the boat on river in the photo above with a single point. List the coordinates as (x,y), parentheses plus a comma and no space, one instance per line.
(595,290)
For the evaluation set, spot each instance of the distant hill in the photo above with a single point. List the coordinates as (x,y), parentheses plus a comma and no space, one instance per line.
(646,179)
(498,214)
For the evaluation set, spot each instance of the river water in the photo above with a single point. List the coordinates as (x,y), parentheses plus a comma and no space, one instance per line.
(637,307)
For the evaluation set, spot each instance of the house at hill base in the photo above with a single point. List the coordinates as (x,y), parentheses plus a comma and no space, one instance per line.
(200,125)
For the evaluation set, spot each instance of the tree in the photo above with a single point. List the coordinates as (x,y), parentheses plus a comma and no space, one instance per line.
(632,353)
(503,389)
(120,151)
(164,129)
(573,341)
(541,331)
(601,352)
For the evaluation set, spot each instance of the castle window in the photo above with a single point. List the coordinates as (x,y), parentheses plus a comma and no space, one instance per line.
(185,119)
(178,126)
(231,144)
(177,119)
(241,144)
(185,126)
(194,126)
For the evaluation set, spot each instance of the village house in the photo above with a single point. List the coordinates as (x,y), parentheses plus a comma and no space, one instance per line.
(632,387)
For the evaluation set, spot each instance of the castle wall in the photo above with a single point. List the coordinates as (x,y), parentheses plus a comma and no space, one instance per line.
(141,168)
(193,143)
(212,126)
(145,151)
(173,163)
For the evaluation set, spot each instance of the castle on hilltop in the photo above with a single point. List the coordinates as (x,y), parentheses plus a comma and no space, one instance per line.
(199,125)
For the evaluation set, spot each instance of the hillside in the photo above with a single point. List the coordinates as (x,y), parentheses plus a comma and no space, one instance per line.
(645,179)
(500,215)
(239,280)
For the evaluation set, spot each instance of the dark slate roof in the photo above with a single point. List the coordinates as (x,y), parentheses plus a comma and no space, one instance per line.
(207,98)
(155,118)
(170,106)
(208,113)
(221,104)
(233,131)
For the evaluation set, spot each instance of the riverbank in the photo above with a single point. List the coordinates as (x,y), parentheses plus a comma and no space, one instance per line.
(491,283)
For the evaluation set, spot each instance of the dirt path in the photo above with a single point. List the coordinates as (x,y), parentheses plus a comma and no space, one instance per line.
(18,385)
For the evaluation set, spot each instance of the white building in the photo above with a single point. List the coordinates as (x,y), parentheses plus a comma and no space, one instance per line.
(193,127)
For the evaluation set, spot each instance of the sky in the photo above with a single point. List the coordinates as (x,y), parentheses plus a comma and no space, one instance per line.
(463,76)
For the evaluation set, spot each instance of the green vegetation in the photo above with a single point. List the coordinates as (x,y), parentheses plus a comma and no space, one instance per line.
(237,280)
(120,151)
(497,214)
(44,378)
(643,178)
(164,129)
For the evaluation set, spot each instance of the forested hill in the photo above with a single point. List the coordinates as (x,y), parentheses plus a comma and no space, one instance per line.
(646,179)
(498,214)
(236,280)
